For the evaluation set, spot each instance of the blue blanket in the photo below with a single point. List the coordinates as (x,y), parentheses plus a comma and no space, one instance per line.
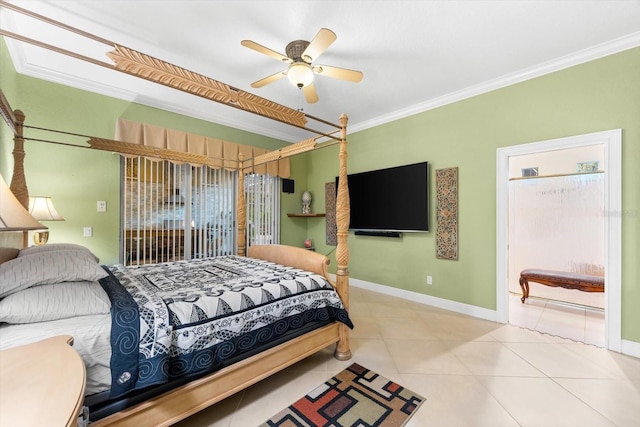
(188,317)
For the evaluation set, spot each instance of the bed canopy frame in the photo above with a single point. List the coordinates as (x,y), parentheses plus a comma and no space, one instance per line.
(188,399)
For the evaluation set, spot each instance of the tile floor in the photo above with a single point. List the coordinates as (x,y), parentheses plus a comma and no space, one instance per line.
(574,322)
(472,372)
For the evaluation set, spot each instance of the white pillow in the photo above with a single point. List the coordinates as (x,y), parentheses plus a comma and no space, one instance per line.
(48,267)
(55,247)
(53,302)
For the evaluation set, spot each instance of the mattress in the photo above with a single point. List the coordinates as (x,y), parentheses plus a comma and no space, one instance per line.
(91,340)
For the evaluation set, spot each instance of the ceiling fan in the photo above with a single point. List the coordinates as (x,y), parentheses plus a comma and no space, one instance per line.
(300,55)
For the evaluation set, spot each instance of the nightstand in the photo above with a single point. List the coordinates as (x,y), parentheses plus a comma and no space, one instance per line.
(42,384)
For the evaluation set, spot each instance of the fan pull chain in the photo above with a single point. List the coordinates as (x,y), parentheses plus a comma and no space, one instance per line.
(300,101)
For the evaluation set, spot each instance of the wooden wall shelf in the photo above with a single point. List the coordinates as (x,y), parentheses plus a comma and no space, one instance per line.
(300,215)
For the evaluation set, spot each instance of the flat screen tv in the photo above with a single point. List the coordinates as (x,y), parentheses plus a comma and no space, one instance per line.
(390,200)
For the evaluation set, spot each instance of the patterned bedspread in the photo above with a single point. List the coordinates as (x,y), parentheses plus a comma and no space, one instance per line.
(188,317)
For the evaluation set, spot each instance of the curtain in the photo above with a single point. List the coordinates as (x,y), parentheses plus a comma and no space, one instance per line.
(557,223)
(262,194)
(221,154)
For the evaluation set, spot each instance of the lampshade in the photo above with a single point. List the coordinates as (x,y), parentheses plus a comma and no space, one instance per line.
(300,74)
(13,216)
(41,208)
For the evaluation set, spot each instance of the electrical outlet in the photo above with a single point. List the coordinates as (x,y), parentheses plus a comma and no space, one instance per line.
(88,231)
(101,206)
(429,280)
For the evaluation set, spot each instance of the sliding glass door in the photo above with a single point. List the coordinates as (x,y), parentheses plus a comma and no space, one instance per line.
(176,211)
(173,211)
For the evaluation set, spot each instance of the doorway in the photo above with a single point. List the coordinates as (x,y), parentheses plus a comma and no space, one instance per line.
(611,141)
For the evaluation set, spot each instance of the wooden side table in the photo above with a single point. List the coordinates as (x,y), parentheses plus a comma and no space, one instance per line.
(41,384)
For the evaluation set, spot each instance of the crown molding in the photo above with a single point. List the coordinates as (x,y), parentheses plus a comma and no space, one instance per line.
(595,52)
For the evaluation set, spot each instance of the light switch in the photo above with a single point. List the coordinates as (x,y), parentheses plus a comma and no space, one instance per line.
(88,231)
(102,206)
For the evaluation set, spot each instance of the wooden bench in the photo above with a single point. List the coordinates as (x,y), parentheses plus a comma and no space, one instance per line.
(563,279)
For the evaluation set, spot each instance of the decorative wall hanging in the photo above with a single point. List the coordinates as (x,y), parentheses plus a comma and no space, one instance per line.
(447,213)
(330,212)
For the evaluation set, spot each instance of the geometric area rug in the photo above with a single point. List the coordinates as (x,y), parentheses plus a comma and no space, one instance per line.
(355,397)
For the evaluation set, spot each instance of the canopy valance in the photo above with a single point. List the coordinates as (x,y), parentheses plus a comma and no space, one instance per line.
(218,153)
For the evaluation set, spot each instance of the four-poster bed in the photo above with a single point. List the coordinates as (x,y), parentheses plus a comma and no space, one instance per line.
(190,397)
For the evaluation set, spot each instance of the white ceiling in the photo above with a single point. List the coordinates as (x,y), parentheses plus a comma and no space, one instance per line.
(415,55)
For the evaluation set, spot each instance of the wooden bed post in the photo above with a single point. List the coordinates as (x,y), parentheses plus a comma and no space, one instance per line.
(343,351)
(242,210)
(18,184)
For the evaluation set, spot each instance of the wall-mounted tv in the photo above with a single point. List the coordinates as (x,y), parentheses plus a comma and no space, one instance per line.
(390,200)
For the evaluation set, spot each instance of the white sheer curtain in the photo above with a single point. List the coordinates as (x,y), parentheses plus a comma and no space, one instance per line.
(557,223)
(262,194)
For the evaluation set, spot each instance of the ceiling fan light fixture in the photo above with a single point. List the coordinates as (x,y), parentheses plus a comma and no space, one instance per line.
(300,74)
(300,56)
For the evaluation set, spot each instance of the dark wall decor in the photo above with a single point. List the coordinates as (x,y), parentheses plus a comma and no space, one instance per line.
(288,186)
(447,213)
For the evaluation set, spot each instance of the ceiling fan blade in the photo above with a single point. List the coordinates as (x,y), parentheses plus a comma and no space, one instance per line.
(310,93)
(318,45)
(265,50)
(269,79)
(338,73)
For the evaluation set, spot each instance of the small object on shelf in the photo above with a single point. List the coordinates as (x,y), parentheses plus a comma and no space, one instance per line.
(307,243)
(306,202)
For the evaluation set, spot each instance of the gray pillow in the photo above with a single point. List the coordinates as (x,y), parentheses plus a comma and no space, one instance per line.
(55,247)
(53,302)
(48,267)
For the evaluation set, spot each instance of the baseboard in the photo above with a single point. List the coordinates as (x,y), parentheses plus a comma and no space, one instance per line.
(458,307)
(629,348)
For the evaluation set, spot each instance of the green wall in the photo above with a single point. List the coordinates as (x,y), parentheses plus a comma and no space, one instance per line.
(596,96)
(294,230)
(8,85)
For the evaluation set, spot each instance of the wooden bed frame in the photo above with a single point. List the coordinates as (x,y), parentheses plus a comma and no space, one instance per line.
(190,398)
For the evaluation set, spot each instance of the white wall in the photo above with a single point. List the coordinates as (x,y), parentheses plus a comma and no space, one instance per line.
(557,162)
(540,251)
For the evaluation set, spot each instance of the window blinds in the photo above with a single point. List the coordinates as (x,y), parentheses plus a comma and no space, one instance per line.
(179,211)
(262,197)
(173,212)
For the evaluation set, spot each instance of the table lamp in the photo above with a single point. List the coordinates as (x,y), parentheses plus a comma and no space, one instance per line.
(41,208)
(13,216)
